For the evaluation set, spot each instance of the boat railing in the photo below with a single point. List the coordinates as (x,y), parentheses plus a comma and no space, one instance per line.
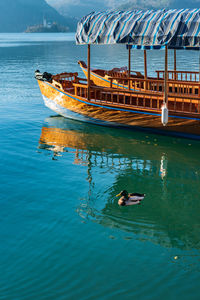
(65,81)
(174,87)
(147,100)
(81,90)
(179,75)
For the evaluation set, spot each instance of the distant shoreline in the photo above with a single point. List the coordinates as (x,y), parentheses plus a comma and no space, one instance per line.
(53,28)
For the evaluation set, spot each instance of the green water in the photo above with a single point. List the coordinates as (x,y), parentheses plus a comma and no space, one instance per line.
(62,233)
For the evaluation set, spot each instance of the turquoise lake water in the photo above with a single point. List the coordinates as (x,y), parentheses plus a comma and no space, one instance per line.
(62,233)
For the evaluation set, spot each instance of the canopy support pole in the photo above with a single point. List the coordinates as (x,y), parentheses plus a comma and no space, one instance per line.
(129,66)
(166,76)
(175,64)
(145,69)
(88,71)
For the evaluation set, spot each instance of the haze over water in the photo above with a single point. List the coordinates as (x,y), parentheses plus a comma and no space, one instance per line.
(62,234)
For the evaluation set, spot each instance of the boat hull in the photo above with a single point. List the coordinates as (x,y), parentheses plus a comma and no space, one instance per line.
(79,108)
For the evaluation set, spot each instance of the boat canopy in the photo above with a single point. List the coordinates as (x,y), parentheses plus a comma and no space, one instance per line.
(150,29)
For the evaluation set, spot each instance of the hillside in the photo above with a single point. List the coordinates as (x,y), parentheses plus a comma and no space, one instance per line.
(152,4)
(79,8)
(17,15)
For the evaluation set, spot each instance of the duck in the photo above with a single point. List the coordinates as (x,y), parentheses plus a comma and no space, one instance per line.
(129,199)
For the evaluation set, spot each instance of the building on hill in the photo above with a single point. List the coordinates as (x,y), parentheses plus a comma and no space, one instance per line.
(46,24)
(47,27)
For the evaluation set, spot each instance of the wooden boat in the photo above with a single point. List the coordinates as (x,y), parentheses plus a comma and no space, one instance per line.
(67,94)
(105,78)
(179,82)
(175,112)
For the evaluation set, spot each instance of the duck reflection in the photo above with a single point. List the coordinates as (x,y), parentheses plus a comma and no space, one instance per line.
(165,169)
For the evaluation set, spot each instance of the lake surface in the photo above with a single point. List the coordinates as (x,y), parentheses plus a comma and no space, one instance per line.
(62,233)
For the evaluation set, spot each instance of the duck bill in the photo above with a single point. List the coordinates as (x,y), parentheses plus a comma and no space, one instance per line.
(118,195)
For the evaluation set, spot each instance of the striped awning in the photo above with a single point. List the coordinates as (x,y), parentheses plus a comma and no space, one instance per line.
(176,28)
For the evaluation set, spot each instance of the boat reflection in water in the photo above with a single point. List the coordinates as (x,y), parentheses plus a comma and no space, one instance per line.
(166,169)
